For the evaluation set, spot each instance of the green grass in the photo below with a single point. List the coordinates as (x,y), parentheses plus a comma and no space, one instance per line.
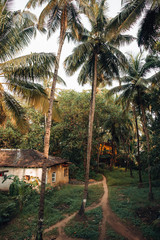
(51,234)
(59,201)
(87,228)
(126,199)
(111,234)
(120,177)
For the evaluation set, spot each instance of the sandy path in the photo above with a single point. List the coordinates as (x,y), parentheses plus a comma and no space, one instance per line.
(108,217)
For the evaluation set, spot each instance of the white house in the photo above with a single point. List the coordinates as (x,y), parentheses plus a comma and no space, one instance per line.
(27,164)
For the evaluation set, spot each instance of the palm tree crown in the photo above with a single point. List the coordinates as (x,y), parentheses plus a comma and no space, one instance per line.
(19,74)
(100,60)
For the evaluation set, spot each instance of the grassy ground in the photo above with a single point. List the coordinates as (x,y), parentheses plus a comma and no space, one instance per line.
(86,228)
(112,235)
(60,201)
(131,203)
(128,201)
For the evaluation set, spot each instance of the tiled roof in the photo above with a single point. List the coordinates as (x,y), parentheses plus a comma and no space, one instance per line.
(26,158)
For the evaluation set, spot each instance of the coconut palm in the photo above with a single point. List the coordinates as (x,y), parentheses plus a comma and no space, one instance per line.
(133,89)
(59,14)
(62,14)
(98,56)
(18,74)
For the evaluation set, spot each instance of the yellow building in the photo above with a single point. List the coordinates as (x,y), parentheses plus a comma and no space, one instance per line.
(27,164)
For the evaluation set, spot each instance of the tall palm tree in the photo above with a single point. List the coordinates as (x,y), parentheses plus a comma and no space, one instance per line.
(62,14)
(59,14)
(98,57)
(19,74)
(134,86)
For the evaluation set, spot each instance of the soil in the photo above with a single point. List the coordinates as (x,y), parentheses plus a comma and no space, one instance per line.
(109,217)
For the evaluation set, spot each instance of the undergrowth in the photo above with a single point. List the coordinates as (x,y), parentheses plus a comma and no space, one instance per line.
(59,201)
(86,228)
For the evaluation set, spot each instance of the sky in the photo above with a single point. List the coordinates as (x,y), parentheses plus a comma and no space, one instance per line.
(41,44)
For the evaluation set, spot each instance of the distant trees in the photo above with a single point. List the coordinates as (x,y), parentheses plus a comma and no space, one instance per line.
(134,88)
(69,137)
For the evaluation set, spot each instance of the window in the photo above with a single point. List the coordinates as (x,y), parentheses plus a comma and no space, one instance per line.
(53,177)
(65,172)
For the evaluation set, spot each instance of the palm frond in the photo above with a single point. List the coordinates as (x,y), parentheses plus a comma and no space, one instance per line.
(151,62)
(74,22)
(149,30)
(16,111)
(86,73)
(79,56)
(116,90)
(154,79)
(29,67)
(126,18)
(35,3)
(31,92)
(51,9)
(60,80)
(122,40)
(15,33)
(54,20)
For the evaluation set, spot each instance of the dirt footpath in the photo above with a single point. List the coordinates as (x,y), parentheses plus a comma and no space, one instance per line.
(109,217)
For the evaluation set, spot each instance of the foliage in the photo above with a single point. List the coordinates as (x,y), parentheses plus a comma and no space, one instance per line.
(126,200)
(69,137)
(19,74)
(11,137)
(21,190)
(86,229)
(9,208)
(119,177)
(59,201)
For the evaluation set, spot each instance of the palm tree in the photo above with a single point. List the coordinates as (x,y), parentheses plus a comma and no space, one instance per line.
(18,74)
(61,14)
(98,57)
(64,15)
(134,87)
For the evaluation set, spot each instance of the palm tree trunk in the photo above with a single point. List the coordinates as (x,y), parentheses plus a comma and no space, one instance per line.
(138,157)
(129,160)
(46,145)
(144,123)
(113,156)
(90,133)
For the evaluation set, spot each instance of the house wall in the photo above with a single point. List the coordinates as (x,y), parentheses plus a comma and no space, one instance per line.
(60,178)
(20,172)
(35,172)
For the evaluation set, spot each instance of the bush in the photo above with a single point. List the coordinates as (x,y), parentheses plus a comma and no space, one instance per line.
(9,208)
(21,190)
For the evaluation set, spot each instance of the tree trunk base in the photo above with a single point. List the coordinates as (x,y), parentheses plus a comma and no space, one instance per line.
(150,196)
(39,236)
(82,209)
(140,185)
